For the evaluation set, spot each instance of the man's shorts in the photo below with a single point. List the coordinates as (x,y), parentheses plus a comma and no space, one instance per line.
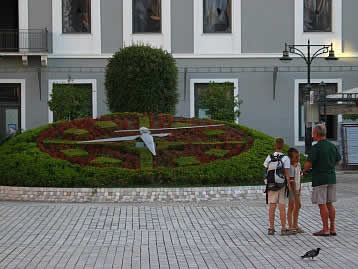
(324,194)
(277,197)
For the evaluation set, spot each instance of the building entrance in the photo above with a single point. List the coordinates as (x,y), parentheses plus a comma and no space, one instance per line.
(9,108)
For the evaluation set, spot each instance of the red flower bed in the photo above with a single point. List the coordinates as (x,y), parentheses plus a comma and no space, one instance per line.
(180,142)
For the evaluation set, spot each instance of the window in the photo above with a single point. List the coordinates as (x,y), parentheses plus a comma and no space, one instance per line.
(147,16)
(317,16)
(217,16)
(332,120)
(85,108)
(76,16)
(200,88)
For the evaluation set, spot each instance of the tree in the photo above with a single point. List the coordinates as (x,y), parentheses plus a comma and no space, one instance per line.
(220,102)
(140,78)
(69,101)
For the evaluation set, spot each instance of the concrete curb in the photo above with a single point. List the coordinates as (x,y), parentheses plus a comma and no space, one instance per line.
(143,195)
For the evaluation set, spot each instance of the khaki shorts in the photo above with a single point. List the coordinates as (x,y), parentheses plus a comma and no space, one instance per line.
(324,194)
(277,197)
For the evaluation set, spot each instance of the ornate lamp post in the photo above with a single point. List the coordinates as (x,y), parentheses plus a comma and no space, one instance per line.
(308,58)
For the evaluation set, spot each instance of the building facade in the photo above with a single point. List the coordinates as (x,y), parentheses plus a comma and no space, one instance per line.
(45,42)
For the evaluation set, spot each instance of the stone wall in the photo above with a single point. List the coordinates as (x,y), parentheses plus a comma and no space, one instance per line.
(135,194)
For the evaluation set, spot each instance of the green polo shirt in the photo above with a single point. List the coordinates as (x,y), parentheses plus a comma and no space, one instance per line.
(324,156)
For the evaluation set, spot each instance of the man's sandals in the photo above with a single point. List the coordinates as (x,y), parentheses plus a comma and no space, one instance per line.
(321,233)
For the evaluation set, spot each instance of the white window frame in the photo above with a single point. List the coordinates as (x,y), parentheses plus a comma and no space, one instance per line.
(159,40)
(22,82)
(337,81)
(74,81)
(217,43)
(76,43)
(235,81)
(319,38)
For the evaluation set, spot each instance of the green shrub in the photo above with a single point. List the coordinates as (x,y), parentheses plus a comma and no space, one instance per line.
(214,133)
(217,152)
(75,131)
(146,158)
(106,161)
(75,153)
(106,124)
(185,161)
(220,102)
(69,101)
(144,121)
(180,124)
(140,78)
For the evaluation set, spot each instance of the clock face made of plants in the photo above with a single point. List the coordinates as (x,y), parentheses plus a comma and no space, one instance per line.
(178,141)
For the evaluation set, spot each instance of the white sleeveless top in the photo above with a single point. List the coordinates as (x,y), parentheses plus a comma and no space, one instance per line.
(296,173)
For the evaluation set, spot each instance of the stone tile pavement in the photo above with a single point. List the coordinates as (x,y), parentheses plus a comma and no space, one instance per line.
(172,235)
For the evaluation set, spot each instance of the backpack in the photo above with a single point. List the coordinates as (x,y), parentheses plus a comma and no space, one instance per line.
(275,178)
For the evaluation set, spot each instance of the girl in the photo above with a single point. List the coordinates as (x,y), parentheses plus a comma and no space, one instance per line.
(294,195)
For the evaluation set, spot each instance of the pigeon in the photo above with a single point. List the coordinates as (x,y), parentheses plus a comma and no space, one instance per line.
(311,254)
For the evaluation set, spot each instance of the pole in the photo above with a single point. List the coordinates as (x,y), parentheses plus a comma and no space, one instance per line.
(308,130)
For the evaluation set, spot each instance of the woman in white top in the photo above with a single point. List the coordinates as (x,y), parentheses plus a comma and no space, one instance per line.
(294,195)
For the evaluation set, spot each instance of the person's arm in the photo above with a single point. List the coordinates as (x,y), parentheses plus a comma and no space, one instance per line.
(288,178)
(306,167)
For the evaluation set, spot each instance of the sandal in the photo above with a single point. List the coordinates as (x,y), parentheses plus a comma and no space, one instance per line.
(320,233)
(299,230)
(286,232)
(271,231)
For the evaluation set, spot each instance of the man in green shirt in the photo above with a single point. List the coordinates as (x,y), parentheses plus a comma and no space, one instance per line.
(323,159)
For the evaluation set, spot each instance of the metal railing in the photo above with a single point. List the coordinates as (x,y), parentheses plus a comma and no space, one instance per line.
(30,40)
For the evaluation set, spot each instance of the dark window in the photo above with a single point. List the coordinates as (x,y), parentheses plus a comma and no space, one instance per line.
(147,16)
(76,16)
(332,120)
(9,93)
(317,16)
(217,16)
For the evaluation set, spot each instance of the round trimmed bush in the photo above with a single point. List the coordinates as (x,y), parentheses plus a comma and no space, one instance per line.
(140,78)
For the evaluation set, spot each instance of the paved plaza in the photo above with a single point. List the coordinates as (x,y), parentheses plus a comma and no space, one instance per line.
(174,235)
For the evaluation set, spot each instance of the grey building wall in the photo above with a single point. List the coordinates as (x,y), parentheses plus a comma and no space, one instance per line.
(182,24)
(35,101)
(112,25)
(266,25)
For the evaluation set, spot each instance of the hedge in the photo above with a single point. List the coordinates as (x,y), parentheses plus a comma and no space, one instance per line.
(23,164)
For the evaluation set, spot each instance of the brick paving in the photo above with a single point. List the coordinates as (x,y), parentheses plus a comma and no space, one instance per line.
(172,235)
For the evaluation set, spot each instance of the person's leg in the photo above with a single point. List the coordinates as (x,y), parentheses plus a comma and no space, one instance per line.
(332,217)
(331,198)
(319,196)
(282,208)
(324,217)
(296,210)
(272,210)
(291,204)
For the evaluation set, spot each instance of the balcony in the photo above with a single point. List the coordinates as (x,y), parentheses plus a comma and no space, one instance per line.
(30,42)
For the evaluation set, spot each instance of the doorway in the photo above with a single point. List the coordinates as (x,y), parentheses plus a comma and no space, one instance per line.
(10,108)
(9,25)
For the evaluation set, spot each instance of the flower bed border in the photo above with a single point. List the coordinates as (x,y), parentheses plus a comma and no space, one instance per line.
(119,195)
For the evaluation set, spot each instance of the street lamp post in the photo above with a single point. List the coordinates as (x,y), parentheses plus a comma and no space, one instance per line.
(320,49)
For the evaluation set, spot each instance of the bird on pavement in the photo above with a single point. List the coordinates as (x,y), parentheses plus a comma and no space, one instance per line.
(311,254)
